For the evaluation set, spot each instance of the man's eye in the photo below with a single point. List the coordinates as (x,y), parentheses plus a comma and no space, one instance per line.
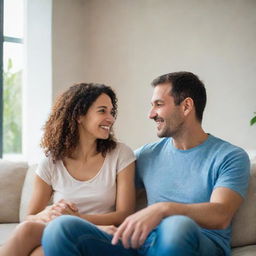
(102,110)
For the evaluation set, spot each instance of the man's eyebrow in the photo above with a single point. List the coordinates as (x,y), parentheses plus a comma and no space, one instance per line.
(157,101)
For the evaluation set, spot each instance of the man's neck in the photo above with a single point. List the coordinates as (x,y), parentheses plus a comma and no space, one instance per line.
(190,138)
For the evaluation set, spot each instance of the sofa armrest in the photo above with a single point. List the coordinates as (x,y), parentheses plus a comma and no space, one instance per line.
(12,176)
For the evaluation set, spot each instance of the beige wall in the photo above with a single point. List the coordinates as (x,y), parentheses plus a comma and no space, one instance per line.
(69,26)
(127,43)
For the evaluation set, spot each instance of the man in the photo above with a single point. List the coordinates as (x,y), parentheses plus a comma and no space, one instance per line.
(194,182)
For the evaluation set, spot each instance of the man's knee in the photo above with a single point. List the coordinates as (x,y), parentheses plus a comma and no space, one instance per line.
(176,233)
(70,235)
(65,225)
(178,223)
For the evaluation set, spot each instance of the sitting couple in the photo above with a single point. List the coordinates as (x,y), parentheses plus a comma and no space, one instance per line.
(194,182)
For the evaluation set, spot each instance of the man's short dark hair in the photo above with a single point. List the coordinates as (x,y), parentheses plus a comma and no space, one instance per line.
(185,84)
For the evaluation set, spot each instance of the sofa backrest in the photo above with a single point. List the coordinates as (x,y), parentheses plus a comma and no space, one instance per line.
(12,176)
(244,222)
(27,192)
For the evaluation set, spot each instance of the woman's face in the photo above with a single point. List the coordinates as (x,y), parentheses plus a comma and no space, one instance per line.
(98,120)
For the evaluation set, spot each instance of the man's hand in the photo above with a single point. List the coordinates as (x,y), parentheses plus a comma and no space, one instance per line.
(135,228)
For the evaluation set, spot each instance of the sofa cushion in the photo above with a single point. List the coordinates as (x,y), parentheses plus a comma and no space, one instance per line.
(244,251)
(244,222)
(5,231)
(12,176)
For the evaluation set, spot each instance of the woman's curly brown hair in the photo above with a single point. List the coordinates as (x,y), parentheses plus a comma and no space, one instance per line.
(61,130)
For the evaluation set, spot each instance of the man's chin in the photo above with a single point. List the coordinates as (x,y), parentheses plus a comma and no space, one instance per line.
(163,134)
(160,134)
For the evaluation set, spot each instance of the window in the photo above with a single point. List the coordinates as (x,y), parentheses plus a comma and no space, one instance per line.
(12,67)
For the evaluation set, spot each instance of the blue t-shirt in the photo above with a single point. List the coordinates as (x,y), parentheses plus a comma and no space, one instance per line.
(190,176)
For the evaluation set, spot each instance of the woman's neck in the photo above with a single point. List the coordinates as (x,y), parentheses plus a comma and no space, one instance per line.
(85,149)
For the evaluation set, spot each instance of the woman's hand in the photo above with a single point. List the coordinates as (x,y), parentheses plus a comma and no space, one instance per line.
(62,207)
(111,229)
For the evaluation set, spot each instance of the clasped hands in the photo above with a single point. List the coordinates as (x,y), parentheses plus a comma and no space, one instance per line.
(62,207)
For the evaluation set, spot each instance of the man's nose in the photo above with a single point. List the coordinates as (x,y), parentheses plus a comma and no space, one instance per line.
(152,113)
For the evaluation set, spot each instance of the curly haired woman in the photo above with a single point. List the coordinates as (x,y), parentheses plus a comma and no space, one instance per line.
(86,172)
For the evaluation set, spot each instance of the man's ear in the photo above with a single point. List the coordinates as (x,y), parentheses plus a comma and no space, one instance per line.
(188,105)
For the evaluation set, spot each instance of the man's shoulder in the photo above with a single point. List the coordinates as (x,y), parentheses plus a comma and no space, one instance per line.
(225,149)
(151,148)
(223,144)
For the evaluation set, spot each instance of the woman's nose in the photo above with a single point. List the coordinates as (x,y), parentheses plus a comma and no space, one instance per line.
(111,118)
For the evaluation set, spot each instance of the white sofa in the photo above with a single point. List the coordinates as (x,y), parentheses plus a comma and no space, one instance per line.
(16,181)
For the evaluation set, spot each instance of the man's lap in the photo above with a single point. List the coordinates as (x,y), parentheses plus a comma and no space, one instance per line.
(88,239)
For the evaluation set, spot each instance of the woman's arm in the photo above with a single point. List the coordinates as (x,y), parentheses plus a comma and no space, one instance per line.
(40,197)
(125,200)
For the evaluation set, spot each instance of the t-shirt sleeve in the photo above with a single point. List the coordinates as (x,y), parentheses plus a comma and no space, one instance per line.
(138,181)
(125,157)
(44,170)
(234,172)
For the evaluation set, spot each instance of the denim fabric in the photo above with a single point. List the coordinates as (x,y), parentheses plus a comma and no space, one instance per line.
(179,235)
(176,235)
(73,236)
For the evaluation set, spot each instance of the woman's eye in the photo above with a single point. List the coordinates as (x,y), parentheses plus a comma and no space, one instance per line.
(102,110)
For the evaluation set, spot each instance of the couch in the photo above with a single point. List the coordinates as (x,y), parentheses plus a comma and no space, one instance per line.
(16,181)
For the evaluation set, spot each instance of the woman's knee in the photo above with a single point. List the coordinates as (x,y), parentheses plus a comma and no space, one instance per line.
(38,251)
(29,228)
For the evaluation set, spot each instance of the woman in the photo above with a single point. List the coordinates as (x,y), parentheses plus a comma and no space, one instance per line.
(87,173)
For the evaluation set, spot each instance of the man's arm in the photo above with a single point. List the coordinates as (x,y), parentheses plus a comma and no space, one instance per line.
(215,214)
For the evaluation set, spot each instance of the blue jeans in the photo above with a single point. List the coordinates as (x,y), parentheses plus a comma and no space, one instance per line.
(175,235)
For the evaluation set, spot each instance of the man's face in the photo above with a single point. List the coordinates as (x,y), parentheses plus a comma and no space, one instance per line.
(167,115)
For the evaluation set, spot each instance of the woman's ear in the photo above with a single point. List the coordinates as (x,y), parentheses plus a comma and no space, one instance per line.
(79,120)
(188,105)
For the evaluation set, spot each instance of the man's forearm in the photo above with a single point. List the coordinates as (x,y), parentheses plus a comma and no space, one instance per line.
(207,215)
